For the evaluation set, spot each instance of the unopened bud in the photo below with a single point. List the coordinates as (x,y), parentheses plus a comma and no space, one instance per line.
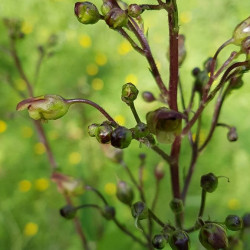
(134,10)
(159,241)
(103,133)
(108,212)
(176,205)
(233,222)
(129,93)
(68,212)
(121,137)
(213,236)
(86,13)
(47,107)
(124,193)
(241,32)
(106,7)
(140,130)
(116,18)
(232,134)
(179,240)
(159,171)
(139,210)
(209,182)
(148,96)
(92,129)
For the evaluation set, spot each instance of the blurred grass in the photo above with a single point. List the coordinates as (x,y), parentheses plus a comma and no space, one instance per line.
(94,62)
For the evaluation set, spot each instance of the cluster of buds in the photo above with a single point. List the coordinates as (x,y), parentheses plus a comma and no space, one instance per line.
(114,16)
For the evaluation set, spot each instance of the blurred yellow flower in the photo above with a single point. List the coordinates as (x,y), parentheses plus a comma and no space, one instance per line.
(26,28)
(75,158)
(132,78)
(97,84)
(101,59)
(42,184)
(110,188)
(124,48)
(234,204)
(24,186)
(120,119)
(3,126)
(26,131)
(185,17)
(30,229)
(39,148)
(20,84)
(85,41)
(92,69)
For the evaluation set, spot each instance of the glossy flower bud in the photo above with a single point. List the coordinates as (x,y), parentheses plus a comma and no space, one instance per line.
(106,7)
(165,124)
(159,171)
(121,137)
(134,10)
(179,240)
(246,220)
(232,134)
(108,212)
(86,13)
(139,210)
(176,205)
(47,107)
(241,32)
(148,96)
(129,93)
(213,236)
(68,212)
(103,133)
(116,18)
(233,222)
(92,129)
(140,130)
(158,241)
(124,193)
(209,182)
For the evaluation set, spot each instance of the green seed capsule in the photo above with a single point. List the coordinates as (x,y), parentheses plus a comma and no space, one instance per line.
(124,193)
(108,212)
(134,10)
(68,212)
(121,137)
(103,133)
(116,18)
(159,241)
(139,210)
(179,240)
(209,182)
(129,93)
(241,32)
(234,222)
(176,206)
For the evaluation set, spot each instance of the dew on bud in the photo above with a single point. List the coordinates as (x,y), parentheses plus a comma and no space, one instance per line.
(86,13)
(233,222)
(209,182)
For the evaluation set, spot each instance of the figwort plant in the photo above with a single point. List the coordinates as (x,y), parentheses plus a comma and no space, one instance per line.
(168,124)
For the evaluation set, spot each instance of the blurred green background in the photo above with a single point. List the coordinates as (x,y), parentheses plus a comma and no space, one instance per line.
(94,62)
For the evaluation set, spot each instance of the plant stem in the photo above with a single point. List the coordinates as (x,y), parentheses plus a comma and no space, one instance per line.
(203,201)
(157,190)
(155,218)
(98,193)
(164,155)
(136,116)
(95,105)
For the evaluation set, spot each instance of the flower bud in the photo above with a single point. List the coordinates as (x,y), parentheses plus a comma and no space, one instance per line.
(140,130)
(196,71)
(148,96)
(176,205)
(47,107)
(232,134)
(139,210)
(124,193)
(106,7)
(86,13)
(179,240)
(103,133)
(209,182)
(121,137)
(14,27)
(236,82)
(116,18)
(165,124)
(92,129)
(246,220)
(207,64)
(129,93)
(68,212)
(241,32)
(108,212)
(233,222)
(159,241)
(159,171)
(213,236)
(134,10)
